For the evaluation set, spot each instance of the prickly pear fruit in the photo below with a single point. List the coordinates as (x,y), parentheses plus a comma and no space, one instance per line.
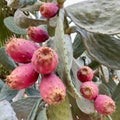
(52,89)
(37,34)
(89,90)
(49,10)
(22,77)
(45,60)
(104,105)
(85,74)
(21,50)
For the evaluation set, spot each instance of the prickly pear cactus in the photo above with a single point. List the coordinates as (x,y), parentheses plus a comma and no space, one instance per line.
(92,41)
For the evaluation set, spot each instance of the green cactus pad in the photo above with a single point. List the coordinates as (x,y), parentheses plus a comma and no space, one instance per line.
(84,105)
(103,48)
(99,16)
(5,60)
(24,106)
(11,25)
(60,112)
(65,55)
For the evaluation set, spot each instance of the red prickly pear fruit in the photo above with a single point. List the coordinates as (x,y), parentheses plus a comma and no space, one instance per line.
(37,34)
(45,60)
(104,105)
(85,74)
(52,89)
(21,50)
(49,10)
(22,77)
(89,90)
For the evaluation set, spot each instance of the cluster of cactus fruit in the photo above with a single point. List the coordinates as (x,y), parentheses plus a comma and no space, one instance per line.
(89,90)
(35,60)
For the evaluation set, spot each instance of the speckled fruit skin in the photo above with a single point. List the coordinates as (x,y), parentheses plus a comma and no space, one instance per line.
(104,105)
(52,89)
(22,77)
(20,50)
(85,74)
(89,90)
(37,34)
(45,60)
(49,10)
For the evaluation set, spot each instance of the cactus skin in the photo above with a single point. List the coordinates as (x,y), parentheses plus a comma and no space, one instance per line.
(104,105)
(89,90)
(20,50)
(37,34)
(52,89)
(85,74)
(45,60)
(22,77)
(49,10)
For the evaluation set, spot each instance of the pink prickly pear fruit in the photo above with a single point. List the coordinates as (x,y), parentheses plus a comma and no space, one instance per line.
(52,89)
(21,50)
(85,74)
(104,105)
(49,10)
(22,77)
(37,34)
(45,60)
(89,90)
